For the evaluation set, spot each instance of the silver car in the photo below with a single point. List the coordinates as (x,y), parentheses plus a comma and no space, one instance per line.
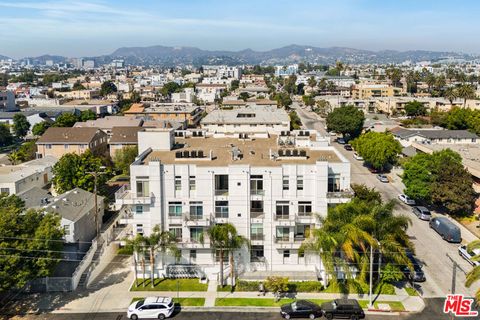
(422,212)
(383,178)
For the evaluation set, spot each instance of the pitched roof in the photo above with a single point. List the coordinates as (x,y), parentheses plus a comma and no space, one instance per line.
(433,134)
(60,135)
(125,135)
(73,204)
(109,122)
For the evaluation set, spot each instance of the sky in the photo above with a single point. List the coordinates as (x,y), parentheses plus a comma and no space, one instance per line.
(76,28)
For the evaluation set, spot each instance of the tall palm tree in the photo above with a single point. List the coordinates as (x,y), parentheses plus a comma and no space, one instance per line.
(162,241)
(474,274)
(451,94)
(235,242)
(221,237)
(137,245)
(466,91)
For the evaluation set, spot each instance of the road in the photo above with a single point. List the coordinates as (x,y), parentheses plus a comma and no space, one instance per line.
(430,248)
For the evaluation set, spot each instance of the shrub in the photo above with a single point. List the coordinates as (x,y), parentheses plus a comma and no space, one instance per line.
(305,286)
(247,285)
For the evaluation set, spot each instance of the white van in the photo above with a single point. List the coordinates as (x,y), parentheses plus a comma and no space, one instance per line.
(151,308)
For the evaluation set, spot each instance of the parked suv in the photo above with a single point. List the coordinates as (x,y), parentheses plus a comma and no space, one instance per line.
(151,308)
(343,308)
(422,212)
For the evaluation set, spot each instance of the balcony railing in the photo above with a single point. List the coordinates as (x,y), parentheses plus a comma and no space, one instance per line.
(282,217)
(221,192)
(257,192)
(279,239)
(126,196)
(299,238)
(257,214)
(256,237)
(340,194)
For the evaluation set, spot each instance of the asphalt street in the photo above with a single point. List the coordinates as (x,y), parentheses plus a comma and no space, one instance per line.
(430,248)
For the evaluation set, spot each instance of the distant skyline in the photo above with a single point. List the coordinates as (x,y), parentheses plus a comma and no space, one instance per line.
(77,28)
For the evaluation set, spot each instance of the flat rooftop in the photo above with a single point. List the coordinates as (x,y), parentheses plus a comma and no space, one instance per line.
(254,152)
(247,115)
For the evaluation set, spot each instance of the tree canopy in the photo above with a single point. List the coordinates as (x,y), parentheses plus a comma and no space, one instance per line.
(308,100)
(377,149)
(123,159)
(107,88)
(169,88)
(20,125)
(30,243)
(6,137)
(347,120)
(65,120)
(88,115)
(40,128)
(415,108)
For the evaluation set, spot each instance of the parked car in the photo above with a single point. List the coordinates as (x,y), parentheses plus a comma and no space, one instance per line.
(332,133)
(422,212)
(417,275)
(343,308)
(446,229)
(383,178)
(356,156)
(468,255)
(341,140)
(348,147)
(301,309)
(407,200)
(151,308)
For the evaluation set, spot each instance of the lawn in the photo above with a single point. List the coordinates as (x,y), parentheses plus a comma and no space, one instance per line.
(186,302)
(268,302)
(411,291)
(170,285)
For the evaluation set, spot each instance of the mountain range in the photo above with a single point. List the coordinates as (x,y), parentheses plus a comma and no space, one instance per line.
(173,56)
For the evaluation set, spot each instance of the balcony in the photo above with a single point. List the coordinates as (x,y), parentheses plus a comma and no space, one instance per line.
(282,217)
(257,237)
(124,196)
(193,244)
(197,220)
(257,214)
(340,194)
(281,239)
(299,238)
(257,192)
(304,218)
(221,192)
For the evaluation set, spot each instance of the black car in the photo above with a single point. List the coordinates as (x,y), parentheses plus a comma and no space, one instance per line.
(343,308)
(348,147)
(301,309)
(417,275)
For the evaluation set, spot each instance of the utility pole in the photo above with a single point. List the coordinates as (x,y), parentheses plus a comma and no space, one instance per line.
(371,276)
(454,273)
(95,176)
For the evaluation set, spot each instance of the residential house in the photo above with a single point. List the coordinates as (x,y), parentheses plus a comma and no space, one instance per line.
(122,137)
(433,136)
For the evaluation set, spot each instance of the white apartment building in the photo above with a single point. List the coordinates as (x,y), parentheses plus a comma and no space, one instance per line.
(209,92)
(223,71)
(270,189)
(187,95)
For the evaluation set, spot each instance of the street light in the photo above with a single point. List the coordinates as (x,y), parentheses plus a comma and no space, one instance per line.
(95,175)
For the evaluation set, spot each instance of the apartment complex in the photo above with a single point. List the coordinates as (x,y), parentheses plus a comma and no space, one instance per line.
(270,189)
(366,91)
(181,112)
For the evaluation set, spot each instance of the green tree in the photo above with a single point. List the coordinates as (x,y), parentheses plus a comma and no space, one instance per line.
(20,125)
(276,285)
(466,91)
(169,88)
(40,128)
(450,94)
(417,177)
(308,100)
(347,120)
(107,88)
(377,149)
(289,85)
(395,75)
(88,115)
(391,273)
(31,243)
(15,157)
(456,118)
(124,158)
(474,274)
(234,85)
(70,172)
(323,107)
(283,99)
(244,96)
(221,236)
(295,122)
(78,86)
(6,137)
(137,245)
(364,193)
(65,120)
(312,82)
(415,108)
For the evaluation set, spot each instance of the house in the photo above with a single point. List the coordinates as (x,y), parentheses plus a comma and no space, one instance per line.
(58,141)
(269,189)
(7,101)
(15,179)
(209,92)
(107,123)
(255,119)
(187,95)
(433,136)
(122,137)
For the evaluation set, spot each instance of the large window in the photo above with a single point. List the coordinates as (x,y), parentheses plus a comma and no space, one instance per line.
(143,188)
(299,182)
(282,233)
(221,184)
(256,208)
(177,233)
(175,209)
(256,253)
(138,209)
(196,234)
(256,231)
(304,208)
(221,209)
(334,182)
(302,231)
(178,183)
(282,210)
(256,185)
(196,210)
(192,183)
(286,183)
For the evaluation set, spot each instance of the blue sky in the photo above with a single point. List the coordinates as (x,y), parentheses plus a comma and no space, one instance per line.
(94,27)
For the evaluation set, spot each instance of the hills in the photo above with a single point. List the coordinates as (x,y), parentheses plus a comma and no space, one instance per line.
(173,56)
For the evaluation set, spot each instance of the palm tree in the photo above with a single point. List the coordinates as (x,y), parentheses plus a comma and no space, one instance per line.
(451,94)
(15,157)
(235,242)
(466,91)
(224,238)
(162,241)
(312,82)
(137,245)
(474,274)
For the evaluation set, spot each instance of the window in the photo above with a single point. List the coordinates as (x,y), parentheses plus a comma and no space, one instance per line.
(256,208)
(283,233)
(65,146)
(334,182)
(176,232)
(256,185)
(196,234)
(256,231)
(221,209)
(256,253)
(299,182)
(138,209)
(66,228)
(5,191)
(282,210)
(302,231)
(286,253)
(139,229)
(304,208)
(192,183)
(285,183)
(142,189)
(178,183)
(193,256)
(196,210)
(48,146)
(175,209)
(221,184)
